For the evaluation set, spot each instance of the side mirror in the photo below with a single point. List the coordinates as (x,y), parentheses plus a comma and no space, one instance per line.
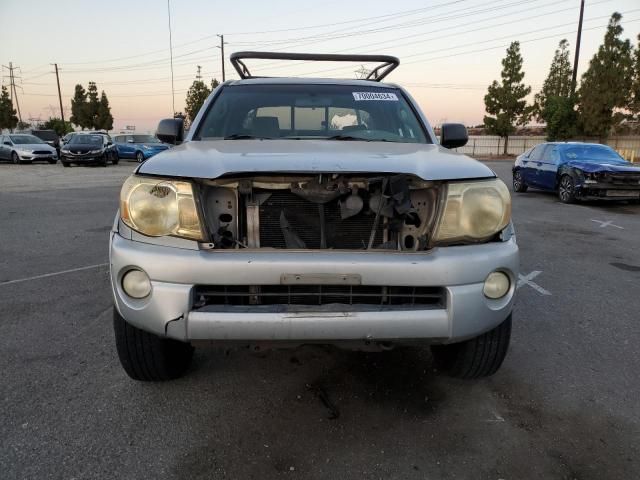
(171,130)
(453,135)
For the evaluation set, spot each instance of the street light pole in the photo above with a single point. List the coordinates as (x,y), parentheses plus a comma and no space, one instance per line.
(173,93)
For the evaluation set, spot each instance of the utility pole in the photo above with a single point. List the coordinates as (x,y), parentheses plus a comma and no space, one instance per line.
(574,77)
(198,76)
(13,87)
(59,94)
(221,47)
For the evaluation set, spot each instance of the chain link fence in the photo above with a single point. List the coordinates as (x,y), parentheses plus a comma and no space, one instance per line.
(486,145)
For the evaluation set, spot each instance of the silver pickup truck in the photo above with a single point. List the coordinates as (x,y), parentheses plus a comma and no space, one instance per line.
(300,211)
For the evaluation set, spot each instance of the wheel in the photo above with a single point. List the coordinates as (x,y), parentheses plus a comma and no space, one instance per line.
(103,161)
(139,157)
(478,357)
(65,164)
(15,158)
(148,357)
(116,158)
(518,182)
(566,189)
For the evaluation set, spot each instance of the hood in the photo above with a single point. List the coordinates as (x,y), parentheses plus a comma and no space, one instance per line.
(34,146)
(215,158)
(604,166)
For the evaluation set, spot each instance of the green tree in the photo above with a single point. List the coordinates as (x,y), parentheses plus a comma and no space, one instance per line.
(79,108)
(214,83)
(554,104)
(23,125)
(56,124)
(105,119)
(8,118)
(634,98)
(506,102)
(93,106)
(606,84)
(197,94)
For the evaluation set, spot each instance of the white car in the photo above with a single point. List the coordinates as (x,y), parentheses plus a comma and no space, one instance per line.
(22,148)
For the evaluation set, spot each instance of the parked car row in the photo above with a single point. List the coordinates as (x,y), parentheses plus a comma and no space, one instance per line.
(78,147)
(577,171)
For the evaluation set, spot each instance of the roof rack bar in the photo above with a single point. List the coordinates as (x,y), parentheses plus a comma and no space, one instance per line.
(388,63)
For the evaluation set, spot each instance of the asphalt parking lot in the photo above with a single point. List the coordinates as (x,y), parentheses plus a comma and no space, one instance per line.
(564,405)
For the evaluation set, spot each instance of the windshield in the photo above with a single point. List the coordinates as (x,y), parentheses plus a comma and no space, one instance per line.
(46,135)
(145,139)
(86,140)
(332,112)
(24,139)
(591,153)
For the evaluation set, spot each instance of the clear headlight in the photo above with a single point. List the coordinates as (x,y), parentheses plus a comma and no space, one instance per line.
(96,151)
(158,207)
(474,211)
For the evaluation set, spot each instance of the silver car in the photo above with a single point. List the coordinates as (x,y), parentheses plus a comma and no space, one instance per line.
(23,148)
(301,211)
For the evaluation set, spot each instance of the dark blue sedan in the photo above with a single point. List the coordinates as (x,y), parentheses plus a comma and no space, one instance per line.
(138,147)
(577,171)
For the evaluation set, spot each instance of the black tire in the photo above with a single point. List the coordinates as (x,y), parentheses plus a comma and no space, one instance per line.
(475,358)
(103,161)
(116,158)
(566,189)
(15,159)
(518,182)
(148,357)
(65,164)
(139,157)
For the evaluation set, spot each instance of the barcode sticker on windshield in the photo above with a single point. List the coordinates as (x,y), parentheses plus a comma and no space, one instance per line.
(360,96)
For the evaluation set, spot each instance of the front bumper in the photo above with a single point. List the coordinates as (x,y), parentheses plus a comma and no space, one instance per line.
(174,272)
(608,191)
(34,157)
(82,158)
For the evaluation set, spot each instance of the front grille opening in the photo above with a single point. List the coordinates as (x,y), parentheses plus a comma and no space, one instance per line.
(304,218)
(310,295)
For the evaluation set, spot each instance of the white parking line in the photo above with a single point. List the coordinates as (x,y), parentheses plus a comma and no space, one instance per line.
(526,280)
(607,224)
(46,275)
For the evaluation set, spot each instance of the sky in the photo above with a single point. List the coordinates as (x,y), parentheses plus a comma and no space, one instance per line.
(450,51)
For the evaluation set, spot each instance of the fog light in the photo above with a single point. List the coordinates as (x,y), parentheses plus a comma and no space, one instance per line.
(496,285)
(136,284)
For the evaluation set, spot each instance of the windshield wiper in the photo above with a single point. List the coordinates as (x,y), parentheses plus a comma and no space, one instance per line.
(240,136)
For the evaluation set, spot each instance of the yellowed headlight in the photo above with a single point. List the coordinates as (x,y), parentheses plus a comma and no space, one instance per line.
(158,207)
(474,211)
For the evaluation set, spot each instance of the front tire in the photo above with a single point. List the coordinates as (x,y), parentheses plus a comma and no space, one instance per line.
(139,157)
(518,182)
(566,189)
(475,358)
(65,164)
(148,357)
(116,158)
(15,158)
